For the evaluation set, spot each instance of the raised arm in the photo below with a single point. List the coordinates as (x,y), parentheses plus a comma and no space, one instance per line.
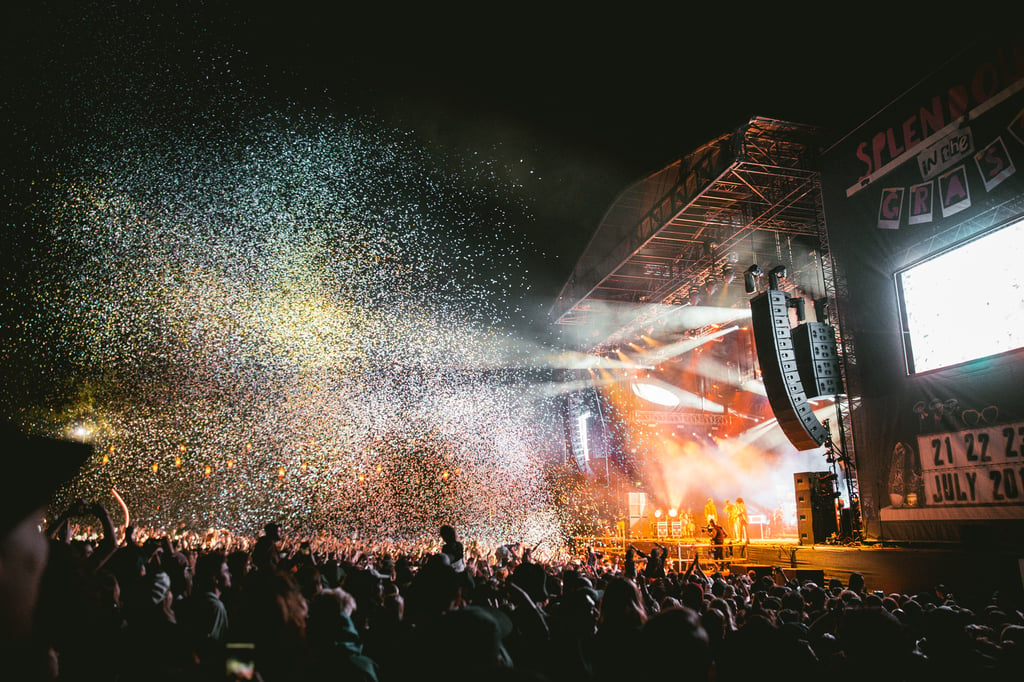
(60,528)
(699,572)
(527,615)
(779,575)
(108,545)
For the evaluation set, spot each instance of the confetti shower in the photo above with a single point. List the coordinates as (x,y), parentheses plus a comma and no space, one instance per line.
(269,313)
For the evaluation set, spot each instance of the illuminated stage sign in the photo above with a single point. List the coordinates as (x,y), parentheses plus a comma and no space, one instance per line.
(938,133)
(952,187)
(974,467)
(682,418)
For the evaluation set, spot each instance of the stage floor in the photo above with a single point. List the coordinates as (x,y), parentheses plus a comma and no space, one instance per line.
(975,573)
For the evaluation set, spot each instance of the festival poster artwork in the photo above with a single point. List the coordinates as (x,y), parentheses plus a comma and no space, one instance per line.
(978,466)
(994,164)
(890,208)
(906,485)
(922,201)
(954,192)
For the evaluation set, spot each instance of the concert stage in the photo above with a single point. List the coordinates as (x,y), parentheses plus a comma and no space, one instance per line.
(971,573)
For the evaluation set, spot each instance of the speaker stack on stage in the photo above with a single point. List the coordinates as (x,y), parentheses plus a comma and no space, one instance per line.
(637,507)
(815,506)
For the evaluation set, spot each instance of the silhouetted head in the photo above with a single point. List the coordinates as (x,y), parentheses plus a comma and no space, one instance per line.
(34,469)
(677,630)
(622,605)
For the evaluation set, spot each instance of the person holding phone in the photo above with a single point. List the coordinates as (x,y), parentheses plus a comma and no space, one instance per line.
(240,662)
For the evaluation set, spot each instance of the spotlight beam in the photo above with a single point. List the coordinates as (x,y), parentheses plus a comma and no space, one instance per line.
(673,350)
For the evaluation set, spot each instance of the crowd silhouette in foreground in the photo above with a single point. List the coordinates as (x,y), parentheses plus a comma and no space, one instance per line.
(275,608)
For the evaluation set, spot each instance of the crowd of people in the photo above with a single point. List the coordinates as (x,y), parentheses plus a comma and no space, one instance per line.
(126,606)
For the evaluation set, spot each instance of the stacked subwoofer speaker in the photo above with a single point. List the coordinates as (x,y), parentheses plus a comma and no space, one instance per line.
(815,507)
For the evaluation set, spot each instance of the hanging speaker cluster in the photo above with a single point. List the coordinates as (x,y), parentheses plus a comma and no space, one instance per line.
(817,359)
(785,363)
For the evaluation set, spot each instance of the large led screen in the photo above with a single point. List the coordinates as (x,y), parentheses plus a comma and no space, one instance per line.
(965,303)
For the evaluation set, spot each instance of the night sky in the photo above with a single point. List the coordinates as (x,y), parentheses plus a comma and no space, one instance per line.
(576,107)
(290,235)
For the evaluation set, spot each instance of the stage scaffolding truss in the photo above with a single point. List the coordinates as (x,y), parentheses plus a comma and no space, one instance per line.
(745,197)
(685,235)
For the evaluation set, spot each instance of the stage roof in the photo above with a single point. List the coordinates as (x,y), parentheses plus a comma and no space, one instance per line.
(749,196)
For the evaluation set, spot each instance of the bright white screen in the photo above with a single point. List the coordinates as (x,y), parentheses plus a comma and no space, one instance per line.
(967,303)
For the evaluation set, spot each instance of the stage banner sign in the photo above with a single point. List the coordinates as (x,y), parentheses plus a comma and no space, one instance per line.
(935,178)
(974,466)
(680,418)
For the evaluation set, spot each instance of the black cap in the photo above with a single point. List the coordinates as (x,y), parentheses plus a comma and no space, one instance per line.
(35,468)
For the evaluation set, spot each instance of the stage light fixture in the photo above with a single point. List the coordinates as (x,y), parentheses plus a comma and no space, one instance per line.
(799,305)
(728,274)
(657,513)
(695,297)
(750,277)
(777,274)
(821,309)
(711,286)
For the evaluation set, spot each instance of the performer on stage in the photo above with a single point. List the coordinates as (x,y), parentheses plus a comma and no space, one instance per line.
(710,512)
(730,518)
(730,522)
(777,524)
(739,532)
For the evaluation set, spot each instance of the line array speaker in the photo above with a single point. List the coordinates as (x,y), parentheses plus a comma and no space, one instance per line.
(817,359)
(769,313)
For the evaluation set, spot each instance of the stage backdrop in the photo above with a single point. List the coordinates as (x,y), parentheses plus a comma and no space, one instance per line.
(924,205)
